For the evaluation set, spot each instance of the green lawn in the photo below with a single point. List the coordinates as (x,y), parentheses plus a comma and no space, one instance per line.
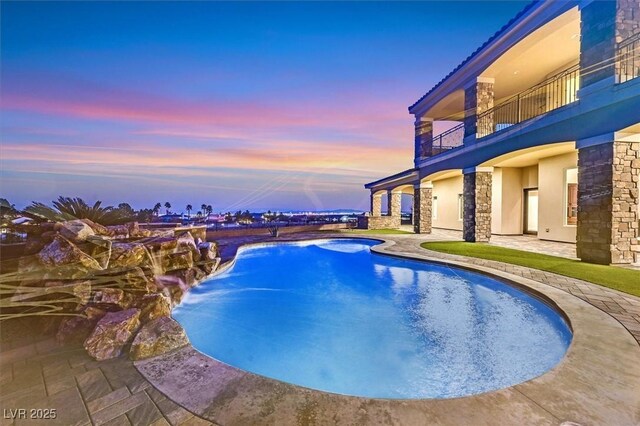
(375,231)
(622,279)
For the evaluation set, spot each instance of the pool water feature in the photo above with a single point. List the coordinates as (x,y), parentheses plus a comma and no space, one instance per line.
(332,316)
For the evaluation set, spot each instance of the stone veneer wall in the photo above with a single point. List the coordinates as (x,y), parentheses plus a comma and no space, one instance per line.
(423,138)
(627,24)
(478,98)
(603,24)
(627,19)
(608,217)
(422,210)
(379,222)
(376,205)
(477,207)
(395,203)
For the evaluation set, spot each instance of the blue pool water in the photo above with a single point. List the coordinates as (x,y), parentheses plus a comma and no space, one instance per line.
(330,315)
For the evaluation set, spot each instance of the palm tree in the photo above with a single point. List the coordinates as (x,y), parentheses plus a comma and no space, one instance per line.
(203,207)
(167,205)
(66,208)
(189,208)
(209,209)
(156,208)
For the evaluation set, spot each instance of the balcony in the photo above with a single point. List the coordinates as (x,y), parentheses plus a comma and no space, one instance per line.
(553,93)
(628,59)
(448,140)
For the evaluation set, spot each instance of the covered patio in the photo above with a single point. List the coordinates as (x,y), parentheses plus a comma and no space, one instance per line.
(525,242)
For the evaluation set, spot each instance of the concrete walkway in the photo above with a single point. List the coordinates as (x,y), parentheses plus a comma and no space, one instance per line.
(519,242)
(36,373)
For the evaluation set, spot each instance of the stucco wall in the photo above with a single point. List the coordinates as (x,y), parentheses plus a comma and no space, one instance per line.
(552,198)
(530,177)
(447,191)
(506,212)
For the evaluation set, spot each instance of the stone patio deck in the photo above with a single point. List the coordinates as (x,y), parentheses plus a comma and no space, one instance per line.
(36,373)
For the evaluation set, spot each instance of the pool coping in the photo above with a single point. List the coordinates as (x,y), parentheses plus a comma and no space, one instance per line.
(597,382)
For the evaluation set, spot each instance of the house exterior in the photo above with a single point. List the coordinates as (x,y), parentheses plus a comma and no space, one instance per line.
(543,135)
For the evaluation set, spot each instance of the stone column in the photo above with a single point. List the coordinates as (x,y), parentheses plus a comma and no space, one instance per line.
(422,208)
(604,24)
(608,218)
(478,98)
(394,203)
(376,204)
(476,222)
(423,137)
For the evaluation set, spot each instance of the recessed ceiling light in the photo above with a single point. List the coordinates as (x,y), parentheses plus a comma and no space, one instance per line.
(516,72)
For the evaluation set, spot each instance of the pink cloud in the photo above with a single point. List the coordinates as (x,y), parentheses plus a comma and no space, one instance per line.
(56,94)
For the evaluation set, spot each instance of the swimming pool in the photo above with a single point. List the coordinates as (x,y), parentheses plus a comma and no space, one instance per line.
(332,316)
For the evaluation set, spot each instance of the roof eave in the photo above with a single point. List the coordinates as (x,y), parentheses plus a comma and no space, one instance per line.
(516,29)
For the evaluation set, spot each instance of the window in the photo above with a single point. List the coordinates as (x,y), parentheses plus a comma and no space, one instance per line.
(460,207)
(571,200)
(434,208)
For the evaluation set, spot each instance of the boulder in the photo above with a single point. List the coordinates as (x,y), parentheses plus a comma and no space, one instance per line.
(154,306)
(33,246)
(48,236)
(133,228)
(187,277)
(77,328)
(98,247)
(79,290)
(158,337)
(135,280)
(97,228)
(178,260)
(208,250)
(112,333)
(76,231)
(110,299)
(209,257)
(119,231)
(127,255)
(62,252)
(161,244)
(185,241)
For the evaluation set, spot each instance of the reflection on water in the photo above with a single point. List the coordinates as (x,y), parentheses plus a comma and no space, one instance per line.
(332,316)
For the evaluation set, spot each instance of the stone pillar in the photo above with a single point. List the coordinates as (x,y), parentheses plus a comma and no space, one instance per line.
(376,204)
(604,24)
(478,98)
(608,218)
(476,225)
(423,137)
(394,203)
(422,208)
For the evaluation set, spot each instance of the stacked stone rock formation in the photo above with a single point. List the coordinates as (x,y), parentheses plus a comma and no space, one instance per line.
(108,282)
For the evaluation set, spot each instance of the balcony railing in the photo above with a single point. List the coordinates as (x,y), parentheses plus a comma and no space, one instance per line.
(448,140)
(553,93)
(628,59)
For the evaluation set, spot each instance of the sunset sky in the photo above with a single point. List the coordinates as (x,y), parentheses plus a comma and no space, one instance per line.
(240,105)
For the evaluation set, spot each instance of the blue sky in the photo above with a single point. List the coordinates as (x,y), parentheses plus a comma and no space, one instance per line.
(239,105)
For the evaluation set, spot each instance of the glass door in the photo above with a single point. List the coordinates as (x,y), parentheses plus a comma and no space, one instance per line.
(531,211)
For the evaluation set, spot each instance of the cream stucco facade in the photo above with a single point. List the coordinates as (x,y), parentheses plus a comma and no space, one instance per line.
(544,134)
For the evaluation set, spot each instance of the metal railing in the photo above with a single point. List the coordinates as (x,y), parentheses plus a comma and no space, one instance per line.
(628,59)
(555,92)
(448,140)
